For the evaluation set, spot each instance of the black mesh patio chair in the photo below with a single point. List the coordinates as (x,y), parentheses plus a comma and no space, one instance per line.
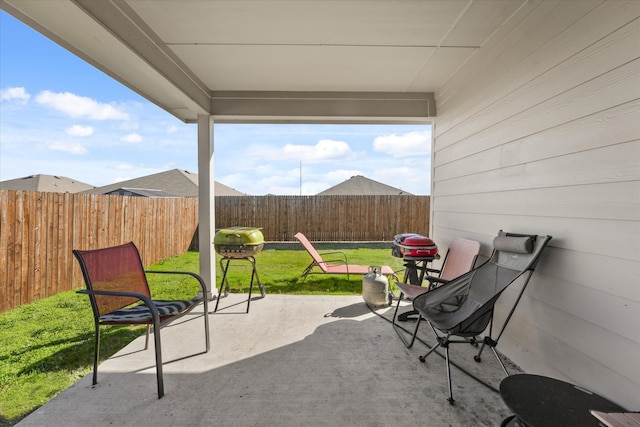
(119,294)
(464,307)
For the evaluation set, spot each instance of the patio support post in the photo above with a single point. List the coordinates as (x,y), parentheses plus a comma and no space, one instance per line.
(206,203)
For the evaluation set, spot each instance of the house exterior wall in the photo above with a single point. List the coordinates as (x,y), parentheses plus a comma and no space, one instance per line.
(540,133)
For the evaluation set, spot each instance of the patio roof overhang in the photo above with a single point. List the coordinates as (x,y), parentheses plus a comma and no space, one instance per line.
(275,61)
(280,61)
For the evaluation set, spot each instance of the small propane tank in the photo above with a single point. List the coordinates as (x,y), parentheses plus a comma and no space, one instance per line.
(375,288)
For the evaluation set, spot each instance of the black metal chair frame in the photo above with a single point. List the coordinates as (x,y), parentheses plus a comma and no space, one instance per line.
(412,285)
(156,320)
(467,328)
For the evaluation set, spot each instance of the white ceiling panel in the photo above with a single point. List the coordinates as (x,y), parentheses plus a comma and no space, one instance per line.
(325,68)
(180,53)
(341,22)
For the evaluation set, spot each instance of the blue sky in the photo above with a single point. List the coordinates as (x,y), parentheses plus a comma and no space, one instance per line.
(61,116)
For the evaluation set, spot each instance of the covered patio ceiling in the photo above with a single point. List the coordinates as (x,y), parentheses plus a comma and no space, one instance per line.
(275,60)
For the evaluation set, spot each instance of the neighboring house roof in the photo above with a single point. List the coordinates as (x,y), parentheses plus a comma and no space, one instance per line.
(176,182)
(47,183)
(142,192)
(222,190)
(359,185)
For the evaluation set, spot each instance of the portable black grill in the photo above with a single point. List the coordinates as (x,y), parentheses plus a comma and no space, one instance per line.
(238,244)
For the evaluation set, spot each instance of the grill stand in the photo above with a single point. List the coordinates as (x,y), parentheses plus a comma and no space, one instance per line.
(225,281)
(413,265)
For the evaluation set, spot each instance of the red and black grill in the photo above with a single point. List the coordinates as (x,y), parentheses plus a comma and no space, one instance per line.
(413,246)
(417,251)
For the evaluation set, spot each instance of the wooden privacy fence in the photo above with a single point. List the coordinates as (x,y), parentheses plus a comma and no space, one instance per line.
(39,230)
(326,218)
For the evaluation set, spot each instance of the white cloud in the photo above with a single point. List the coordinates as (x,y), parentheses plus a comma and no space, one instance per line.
(132,137)
(73,148)
(77,130)
(324,150)
(125,167)
(172,129)
(409,144)
(80,106)
(17,95)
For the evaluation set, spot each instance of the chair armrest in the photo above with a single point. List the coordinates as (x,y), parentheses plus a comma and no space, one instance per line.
(436,279)
(335,252)
(145,299)
(411,291)
(203,285)
(343,260)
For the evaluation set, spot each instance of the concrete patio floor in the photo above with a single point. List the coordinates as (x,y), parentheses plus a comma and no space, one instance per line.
(291,361)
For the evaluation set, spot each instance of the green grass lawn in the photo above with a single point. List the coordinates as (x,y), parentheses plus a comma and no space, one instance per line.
(48,345)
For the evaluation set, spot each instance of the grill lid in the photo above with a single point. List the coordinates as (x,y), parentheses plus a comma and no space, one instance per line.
(411,245)
(238,236)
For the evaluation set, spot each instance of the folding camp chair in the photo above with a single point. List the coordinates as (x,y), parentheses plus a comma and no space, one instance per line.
(337,265)
(460,258)
(119,294)
(464,306)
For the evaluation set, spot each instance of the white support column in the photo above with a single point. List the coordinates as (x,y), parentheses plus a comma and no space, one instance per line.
(206,203)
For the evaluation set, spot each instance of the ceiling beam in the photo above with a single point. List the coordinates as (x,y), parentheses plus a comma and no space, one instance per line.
(327,107)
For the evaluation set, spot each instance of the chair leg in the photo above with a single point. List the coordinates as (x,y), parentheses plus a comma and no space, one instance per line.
(446,353)
(431,350)
(96,354)
(156,338)
(504,369)
(444,343)
(146,340)
(400,332)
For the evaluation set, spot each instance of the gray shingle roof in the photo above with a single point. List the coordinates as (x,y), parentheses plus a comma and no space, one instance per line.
(177,182)
(142,192)
(47,183)
(359,185)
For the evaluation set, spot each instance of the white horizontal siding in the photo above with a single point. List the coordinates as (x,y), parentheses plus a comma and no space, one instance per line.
(609,127)
(529,47)
(564,318)
(540,133)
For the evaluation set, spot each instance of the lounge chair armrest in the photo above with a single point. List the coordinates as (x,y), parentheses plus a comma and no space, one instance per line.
(203,285)
(343,260)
